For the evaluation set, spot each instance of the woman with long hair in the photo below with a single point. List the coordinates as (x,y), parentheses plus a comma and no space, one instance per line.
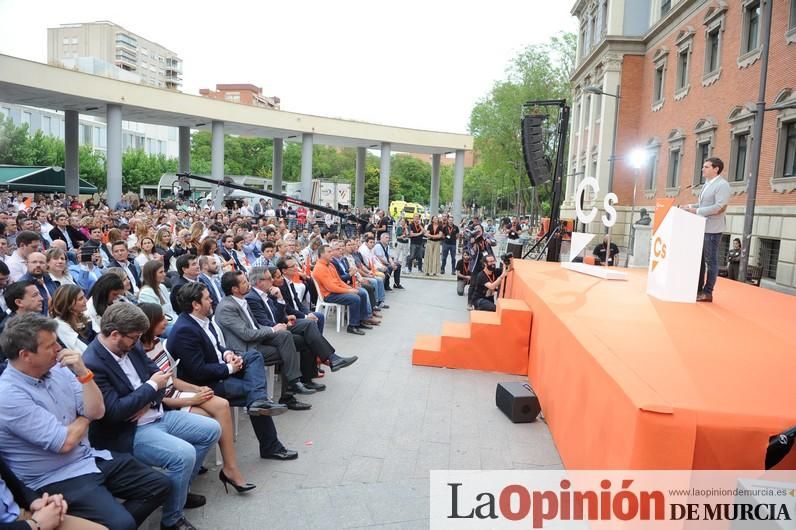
(209,248)
(197,231)
(68,308)
(104,292)
(181,395)
(147,252)
(163,246)
(153,291)
(432,257)
(57,266)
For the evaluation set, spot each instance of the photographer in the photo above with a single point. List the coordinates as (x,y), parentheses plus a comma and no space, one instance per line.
(488,282)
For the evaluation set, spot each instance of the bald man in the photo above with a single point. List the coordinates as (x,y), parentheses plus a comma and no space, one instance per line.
(37,273)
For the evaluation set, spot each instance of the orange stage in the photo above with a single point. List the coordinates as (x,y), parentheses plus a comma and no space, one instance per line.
(630,382)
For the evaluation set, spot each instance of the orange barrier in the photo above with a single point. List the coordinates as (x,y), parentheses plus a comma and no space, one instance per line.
(629,382)
(490,342)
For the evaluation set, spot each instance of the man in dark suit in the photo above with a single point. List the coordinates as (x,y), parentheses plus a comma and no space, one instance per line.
(208,265)
(198,342)
(188,270)
(61,231)
(132,388)
(293,306)
(121,259)
(268,308)
(37,265)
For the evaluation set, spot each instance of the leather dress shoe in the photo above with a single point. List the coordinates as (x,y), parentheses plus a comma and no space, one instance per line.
(382,305)
(282,454)
(372,322)
(297,387)
(355,331)
(364,326)
(338,363)
(181,524)
(266,407)
(398,286)
(318,387)
(704,297)
(294,404)
(194,500)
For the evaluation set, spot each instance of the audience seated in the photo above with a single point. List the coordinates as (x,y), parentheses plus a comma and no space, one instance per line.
(43,431)
(68,309)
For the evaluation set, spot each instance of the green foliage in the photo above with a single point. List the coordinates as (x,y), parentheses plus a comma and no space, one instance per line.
(540,71)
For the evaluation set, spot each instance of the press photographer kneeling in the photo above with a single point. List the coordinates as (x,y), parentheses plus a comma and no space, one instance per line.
(489,281)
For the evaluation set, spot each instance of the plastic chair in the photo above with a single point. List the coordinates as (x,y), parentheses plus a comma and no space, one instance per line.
(324,307)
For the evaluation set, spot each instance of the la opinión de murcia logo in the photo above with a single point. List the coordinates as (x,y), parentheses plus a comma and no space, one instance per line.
(516,502)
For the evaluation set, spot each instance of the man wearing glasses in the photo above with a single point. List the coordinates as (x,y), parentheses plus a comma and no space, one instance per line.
(132,387)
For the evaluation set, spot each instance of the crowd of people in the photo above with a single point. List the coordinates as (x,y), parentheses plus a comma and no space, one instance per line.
(128,333)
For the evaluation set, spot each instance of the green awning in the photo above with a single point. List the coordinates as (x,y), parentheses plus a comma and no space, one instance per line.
(38,179)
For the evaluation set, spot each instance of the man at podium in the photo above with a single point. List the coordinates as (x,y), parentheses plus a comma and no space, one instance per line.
(712,204)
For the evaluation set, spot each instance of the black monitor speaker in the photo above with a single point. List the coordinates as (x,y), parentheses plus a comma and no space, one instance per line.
(517,401)
(536,164)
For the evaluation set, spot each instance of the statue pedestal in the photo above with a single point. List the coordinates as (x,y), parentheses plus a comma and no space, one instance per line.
(642,235)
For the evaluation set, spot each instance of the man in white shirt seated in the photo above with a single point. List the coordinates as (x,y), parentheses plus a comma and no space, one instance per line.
(27,243)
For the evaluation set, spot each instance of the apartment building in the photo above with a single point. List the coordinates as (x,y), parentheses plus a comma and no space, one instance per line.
(243,93)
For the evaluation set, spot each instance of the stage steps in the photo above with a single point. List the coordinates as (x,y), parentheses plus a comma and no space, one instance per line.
(490,342)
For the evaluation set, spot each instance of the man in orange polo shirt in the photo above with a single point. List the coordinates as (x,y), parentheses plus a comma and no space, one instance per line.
(334,290)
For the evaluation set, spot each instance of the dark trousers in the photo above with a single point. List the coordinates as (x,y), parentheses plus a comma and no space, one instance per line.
(485,304)
(92,496)
(280,348)
(243,389)
(394,274)
(310,343)
(448,248)
(313,292)
(471,292)
(709,266)
(371,293)
(415,255)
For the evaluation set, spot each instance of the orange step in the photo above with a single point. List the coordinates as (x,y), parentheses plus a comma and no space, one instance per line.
(493,342)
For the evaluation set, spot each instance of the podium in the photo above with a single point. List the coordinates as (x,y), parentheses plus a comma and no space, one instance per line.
(675,256)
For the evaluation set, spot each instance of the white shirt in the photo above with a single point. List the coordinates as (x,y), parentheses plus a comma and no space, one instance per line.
(369,257)
(245,305)
(127,367)
(17,266)
(219,344)
(264,298)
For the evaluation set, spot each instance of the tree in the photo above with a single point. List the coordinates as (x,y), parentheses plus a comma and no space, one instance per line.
(541,71)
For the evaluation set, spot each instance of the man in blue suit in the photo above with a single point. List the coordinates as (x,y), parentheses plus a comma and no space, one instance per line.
(132,387)
(121,259)
(188,270)
(37,265)
(198,342)
(293,306)
(208,265)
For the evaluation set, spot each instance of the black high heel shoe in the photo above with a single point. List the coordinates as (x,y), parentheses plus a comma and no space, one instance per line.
(240,489)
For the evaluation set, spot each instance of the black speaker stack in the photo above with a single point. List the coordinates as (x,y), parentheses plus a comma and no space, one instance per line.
(536,164)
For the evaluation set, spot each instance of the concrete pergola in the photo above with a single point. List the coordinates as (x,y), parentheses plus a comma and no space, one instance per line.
(26,82)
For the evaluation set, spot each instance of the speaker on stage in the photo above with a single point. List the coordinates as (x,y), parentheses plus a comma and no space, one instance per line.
(536,164)
(517,401)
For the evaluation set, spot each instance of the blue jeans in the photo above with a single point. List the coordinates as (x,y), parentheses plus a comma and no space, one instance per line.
(177,443)
(448,248)
(379,286)
(357,305)
(710,260)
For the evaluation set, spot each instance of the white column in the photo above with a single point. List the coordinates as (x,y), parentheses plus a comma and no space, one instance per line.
(384,177)
(458,185)
(72,151)
(113,155)
(434,204)
(185,149)
(306,166)
(217,161)
(359,185)
(276,178)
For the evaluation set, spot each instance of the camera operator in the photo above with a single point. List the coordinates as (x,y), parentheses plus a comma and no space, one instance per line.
(479,245)
(488,282)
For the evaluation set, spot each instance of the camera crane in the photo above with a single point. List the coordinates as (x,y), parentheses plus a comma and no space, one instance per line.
(185,187)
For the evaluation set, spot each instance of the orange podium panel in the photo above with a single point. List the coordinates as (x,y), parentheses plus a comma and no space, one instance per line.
(630,382)
(490,342)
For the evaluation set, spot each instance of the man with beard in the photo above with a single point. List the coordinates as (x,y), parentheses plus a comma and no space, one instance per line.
(46,286)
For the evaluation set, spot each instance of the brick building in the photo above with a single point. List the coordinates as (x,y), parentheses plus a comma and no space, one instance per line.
(242,93)
(687,72)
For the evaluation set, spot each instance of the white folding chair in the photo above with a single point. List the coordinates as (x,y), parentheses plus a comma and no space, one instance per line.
(324,307)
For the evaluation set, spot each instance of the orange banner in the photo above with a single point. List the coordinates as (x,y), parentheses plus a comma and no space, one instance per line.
(662,207)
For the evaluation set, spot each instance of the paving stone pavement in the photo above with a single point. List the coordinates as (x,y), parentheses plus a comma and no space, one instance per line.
(370,440)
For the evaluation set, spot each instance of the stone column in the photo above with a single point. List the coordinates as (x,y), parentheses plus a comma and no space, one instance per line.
(359,186)
(306,166)
(384,177)
(458,185)
(276,179)
(434,204)
(113,155)
(185,149)
(72,151)
(217,161)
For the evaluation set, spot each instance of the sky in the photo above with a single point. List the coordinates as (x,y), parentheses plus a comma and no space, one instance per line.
(418,64)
